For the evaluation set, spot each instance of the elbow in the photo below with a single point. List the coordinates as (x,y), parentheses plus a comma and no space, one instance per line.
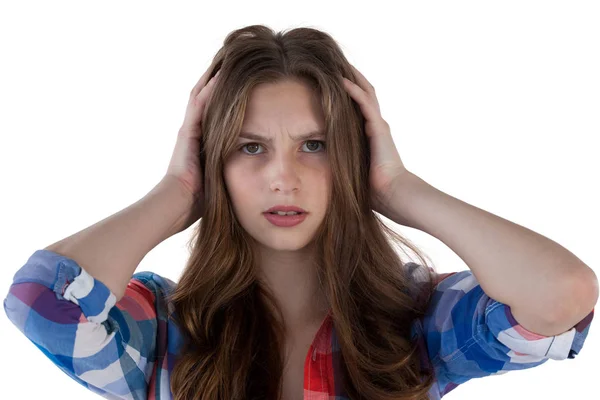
(581,296)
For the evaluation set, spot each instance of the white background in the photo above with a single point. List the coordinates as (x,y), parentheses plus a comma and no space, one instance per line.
(495,103)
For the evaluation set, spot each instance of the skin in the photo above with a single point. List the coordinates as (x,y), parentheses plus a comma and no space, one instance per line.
(290,172)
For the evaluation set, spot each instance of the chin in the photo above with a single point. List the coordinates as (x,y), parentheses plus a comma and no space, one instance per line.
(278,241)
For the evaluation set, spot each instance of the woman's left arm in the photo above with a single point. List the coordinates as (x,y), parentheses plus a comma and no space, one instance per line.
(547,287)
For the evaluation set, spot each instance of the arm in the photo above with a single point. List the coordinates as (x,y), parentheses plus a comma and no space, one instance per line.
(111,249)
(78,302)
(467,334)
(548,288)
(113,349)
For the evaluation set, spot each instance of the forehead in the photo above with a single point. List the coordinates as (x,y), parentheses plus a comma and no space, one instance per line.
(290,104)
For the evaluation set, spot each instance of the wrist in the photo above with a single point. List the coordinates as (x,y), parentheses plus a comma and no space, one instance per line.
(178,202)
(406,189)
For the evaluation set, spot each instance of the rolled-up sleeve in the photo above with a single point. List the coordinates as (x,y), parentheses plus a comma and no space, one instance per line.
(470,335)
(75,321)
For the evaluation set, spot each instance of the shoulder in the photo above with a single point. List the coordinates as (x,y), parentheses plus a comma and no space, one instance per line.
(426,278)
(152,289)
(154,281)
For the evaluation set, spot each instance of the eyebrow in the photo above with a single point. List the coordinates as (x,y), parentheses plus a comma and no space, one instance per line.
(306,136)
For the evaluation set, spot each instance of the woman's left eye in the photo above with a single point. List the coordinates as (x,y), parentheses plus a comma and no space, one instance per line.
(310,147)
(317,141)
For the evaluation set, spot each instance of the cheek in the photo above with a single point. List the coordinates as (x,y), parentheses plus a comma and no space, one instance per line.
(239,181)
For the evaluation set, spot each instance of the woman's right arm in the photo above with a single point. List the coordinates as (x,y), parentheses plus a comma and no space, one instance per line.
(80,303)
(111,249)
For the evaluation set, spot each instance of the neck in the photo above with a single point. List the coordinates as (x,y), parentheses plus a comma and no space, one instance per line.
(292,279)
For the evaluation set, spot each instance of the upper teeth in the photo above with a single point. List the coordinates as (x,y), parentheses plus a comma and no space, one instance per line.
(284,213)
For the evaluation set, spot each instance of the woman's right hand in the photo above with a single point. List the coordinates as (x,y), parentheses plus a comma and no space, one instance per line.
(185,161)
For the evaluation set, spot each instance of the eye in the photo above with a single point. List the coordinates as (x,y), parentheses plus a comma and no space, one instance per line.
(254,145)
(322,143)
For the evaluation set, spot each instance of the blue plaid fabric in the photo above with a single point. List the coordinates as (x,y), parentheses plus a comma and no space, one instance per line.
(127,349)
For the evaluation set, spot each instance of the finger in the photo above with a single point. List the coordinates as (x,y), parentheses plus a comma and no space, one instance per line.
(362,81)
(362,98)
(200,98)
(193,116)
(201,82)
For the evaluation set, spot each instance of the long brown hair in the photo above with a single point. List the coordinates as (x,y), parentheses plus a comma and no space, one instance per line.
(232,338)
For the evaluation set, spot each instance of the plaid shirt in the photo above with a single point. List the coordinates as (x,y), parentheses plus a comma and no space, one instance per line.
(126,350)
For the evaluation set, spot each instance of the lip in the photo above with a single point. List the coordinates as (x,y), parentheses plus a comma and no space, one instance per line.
(285,208)
(285,220)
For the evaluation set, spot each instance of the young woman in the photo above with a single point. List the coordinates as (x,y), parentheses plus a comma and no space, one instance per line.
(302,306)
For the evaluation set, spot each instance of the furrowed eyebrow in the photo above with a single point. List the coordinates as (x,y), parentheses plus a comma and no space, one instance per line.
(306,136)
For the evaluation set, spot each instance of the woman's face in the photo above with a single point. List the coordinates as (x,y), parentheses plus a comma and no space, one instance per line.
(277,169)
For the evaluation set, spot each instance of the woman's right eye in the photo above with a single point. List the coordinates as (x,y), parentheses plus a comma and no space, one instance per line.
(249,144)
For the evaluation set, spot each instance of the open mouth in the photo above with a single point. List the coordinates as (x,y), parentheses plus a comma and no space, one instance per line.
(286,215)
(285,220)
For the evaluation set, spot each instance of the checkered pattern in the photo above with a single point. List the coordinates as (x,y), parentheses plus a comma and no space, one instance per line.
(126,350)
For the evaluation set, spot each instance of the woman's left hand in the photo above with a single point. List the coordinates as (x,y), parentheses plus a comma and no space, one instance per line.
(386,167)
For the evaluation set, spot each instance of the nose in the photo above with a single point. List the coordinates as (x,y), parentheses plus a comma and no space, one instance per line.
(284,175)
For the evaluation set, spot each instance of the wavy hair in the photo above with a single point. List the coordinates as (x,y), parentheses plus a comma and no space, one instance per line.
(232,338)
